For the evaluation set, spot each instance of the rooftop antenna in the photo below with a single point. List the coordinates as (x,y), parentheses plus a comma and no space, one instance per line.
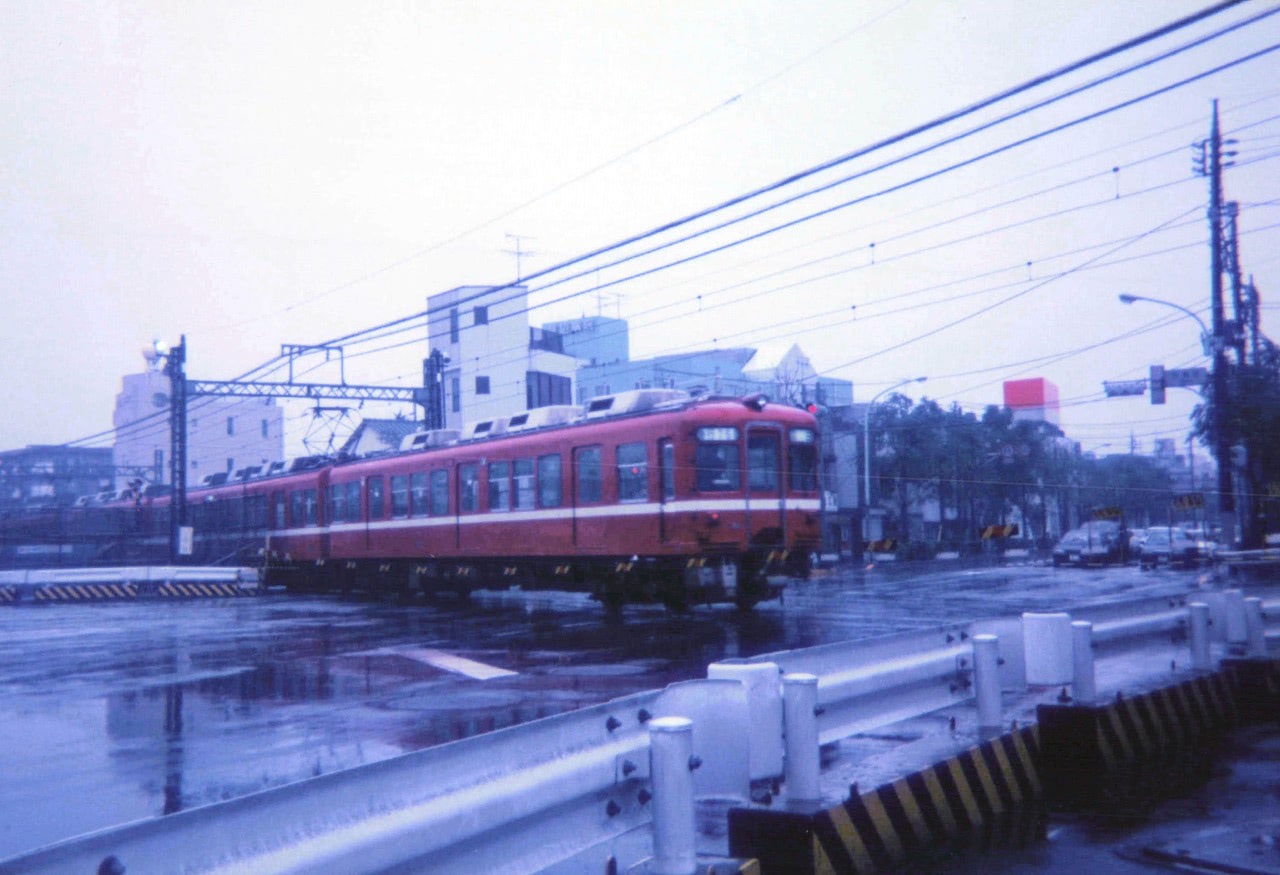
(519,252)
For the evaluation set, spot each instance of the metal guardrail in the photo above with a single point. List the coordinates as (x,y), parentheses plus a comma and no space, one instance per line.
(130,574)
(524,798)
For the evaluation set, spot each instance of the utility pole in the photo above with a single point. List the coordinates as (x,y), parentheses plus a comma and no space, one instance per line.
(519,252)
(175,367)
(1209,164)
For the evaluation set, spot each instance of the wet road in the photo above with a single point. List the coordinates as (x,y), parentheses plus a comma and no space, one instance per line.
(114,712)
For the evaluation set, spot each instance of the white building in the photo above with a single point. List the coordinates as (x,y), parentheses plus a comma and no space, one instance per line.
(223,434)
(498,365)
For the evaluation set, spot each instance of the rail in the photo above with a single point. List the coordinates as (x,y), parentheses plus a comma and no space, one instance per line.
(526,798)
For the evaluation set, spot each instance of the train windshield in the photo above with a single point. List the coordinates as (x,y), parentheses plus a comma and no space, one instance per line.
(717,460)
(803,459)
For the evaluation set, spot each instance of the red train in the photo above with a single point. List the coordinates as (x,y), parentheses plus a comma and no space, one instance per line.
(642,496)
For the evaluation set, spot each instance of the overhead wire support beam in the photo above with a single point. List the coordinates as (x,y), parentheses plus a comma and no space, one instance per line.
(308,391)
(296,350)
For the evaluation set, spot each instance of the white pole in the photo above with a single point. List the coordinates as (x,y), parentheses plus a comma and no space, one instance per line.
(1084,683)
(1257,632)
(671,767)
(986,678)
(1200,659)
(800,723)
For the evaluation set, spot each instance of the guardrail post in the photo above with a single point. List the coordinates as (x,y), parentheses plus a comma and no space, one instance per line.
(1084,679)
(671,765)
(764,701)
(800,723)
(1047,642)
(1200,659)
(986,678)
(1257,633)
(1237,631)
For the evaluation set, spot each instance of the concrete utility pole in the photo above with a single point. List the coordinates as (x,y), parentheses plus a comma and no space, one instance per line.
(1212,168)
(175,367)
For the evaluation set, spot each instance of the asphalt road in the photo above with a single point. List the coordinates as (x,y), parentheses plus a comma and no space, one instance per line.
(113,712)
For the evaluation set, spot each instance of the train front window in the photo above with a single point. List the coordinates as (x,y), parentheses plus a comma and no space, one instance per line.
(803,460)
(716,461)
(762,462)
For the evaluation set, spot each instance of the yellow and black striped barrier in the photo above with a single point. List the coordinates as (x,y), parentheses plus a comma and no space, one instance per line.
(8,594)
(84,592)
(985,797)
(1135,750)
(201,590)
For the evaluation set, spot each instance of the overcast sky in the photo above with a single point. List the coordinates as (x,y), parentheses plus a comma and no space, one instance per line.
(252,174)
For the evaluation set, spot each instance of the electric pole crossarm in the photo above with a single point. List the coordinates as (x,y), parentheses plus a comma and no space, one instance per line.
(309,391)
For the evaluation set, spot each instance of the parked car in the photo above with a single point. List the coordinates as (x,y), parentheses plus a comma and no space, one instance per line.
(1206,542)
(1137,537)
(1095,543)
(1168,545)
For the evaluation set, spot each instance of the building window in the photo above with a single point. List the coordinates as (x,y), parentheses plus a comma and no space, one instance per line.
(481,315)
(453,325)
(456,387)
(266,428)
(231,425)
(543,389)
(482,385)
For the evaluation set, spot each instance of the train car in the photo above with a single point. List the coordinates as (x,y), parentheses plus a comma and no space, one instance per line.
(644,496)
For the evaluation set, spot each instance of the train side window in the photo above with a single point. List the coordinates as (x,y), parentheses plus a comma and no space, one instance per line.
(353,502)
(717,461)
(468,487)
(297,508)
(399,496)
(310,507)
(802,458)
(633,473)
(589,474)
(762,462)
(524,493)
(439,493)
(337,502)
(377,505)
(278,516)
(418,494)
(549,480)
(499,486)
(668,451)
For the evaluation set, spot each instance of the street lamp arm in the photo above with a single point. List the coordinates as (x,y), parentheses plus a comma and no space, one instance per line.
(1129,299)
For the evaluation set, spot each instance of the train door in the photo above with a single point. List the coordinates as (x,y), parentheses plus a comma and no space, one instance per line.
(666,485)
(765,496)
(587,488)
(467,500)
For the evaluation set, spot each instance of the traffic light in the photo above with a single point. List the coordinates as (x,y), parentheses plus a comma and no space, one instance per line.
(1157,384)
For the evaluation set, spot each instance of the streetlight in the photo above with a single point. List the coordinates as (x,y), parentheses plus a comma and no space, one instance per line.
(1206,342)
(866,446)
